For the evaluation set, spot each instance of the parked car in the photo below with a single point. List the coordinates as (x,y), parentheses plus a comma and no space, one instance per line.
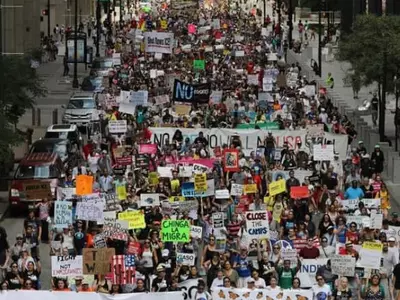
(59,146)
(37,176)
(66,132)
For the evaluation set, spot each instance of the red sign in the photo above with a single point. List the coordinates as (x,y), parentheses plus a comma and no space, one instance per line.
(231,160)
(147,148)
(124,161)
(299,192)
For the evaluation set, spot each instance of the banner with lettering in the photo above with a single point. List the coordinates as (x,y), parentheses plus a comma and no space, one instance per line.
(251,139)
(190,93)
(220,293)
(159,42)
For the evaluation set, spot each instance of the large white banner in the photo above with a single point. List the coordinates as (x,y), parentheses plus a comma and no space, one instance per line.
(159,42)
(48,295)
(220,293)
(217,137)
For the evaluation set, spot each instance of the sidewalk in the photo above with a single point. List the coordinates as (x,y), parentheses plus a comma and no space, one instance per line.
(343,98)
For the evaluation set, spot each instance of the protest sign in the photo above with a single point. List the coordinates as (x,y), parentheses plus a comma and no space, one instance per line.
(90,211)
(236,189)
(218,220)
(277,187)
(110,201)
(147,148)
(189,192)
(142,161)
(231,160)
(84,185)
(175,231)
(196,232)
(135,219)
(185,171)
(62,214)
(199,64)
(250,188)
(140,98)
(120,189)
(117,126)
(100,241)
(200,182)
(37,190)
(221,293)
(376,220)
(65,193)
(257,224)
(185,259)
(97,261)
(123,269)
(371,255)
(315,131)
(216,96)
(220,244)
(222,194)
(394,231)
(299,192)
(343,265)
(149,200)
(290,254)
(124,160)
(66,265)
(159,42)
(191,93)
(323,152)
(153,178)
(199,169)
(308,271)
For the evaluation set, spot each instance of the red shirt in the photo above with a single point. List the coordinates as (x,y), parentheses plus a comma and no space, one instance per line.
(309,253)
(352,237)
(87,149)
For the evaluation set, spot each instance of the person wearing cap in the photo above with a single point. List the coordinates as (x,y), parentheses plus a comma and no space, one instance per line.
(250,283)
(160,283)
(395,219)
(326,250)
(77,286)
(379,159)
(361,148)
(330,235)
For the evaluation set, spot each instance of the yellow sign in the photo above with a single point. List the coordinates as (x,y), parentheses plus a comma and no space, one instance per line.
(277,187)
(200,182)
(164,24)
(153,178)
(226,52)
(372,246)
(121,192)
(250,188)
(176,199)
(135,219)
(182,109)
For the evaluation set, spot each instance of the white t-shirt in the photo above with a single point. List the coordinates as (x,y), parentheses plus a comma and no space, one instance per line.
(321,292)
(260,283)
(217,283)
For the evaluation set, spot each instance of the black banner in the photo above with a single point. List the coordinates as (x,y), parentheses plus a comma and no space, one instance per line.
(184,92)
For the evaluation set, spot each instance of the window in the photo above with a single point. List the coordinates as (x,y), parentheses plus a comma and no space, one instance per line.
(88,103)
(36,172)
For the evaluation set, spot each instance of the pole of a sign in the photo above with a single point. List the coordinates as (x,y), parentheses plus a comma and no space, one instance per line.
(48,19)
(320,32)
(75,82)
(98,28)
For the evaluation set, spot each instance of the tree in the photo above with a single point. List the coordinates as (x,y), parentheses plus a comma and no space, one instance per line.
(19,87)
(372,49)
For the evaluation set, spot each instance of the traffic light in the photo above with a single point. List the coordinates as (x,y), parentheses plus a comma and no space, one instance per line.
(45,12)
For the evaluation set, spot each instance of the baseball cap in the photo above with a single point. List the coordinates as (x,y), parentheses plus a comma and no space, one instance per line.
(395,215)
(391,239)
(250,280)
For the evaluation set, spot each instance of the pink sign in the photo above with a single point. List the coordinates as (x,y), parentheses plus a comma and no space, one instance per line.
(192,29)
(205,162)
(148,148)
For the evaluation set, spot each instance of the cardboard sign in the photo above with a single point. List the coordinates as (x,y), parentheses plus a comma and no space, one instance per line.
(175,231)
(97,261)
(117,126)
(257,224)
(37,190)
(84,185)
(185,259)
(277,187)
(323,152)
(343,265)
(90,211)
(250,188)
(196,232)
(299,192)
(371,255)
(200,182)
(149,200)
(62,214)
(222,194)
(231,160)
(66,266)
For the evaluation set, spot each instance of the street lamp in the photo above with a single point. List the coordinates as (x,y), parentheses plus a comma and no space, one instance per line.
(290,33)
(397,113)
(321,4)
(98,28)
(48,19)
(75,82)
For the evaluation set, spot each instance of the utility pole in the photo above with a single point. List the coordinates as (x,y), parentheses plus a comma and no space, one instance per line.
(320,31)
(75,82)
(290,33)
(264,11)
(48,19)
(382,104)
(98,28)
(396,116)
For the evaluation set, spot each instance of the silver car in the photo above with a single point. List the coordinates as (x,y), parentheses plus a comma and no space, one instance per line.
(81,110)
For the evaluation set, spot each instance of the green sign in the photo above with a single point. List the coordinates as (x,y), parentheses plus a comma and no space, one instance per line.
(199,64)
(267,125)
(175,231)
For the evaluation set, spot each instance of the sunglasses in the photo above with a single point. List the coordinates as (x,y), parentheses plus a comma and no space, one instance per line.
(212,239)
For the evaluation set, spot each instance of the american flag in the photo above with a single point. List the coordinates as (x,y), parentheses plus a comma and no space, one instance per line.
(123,271)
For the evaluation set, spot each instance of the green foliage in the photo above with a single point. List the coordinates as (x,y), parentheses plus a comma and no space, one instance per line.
(19,87)
(372,40)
